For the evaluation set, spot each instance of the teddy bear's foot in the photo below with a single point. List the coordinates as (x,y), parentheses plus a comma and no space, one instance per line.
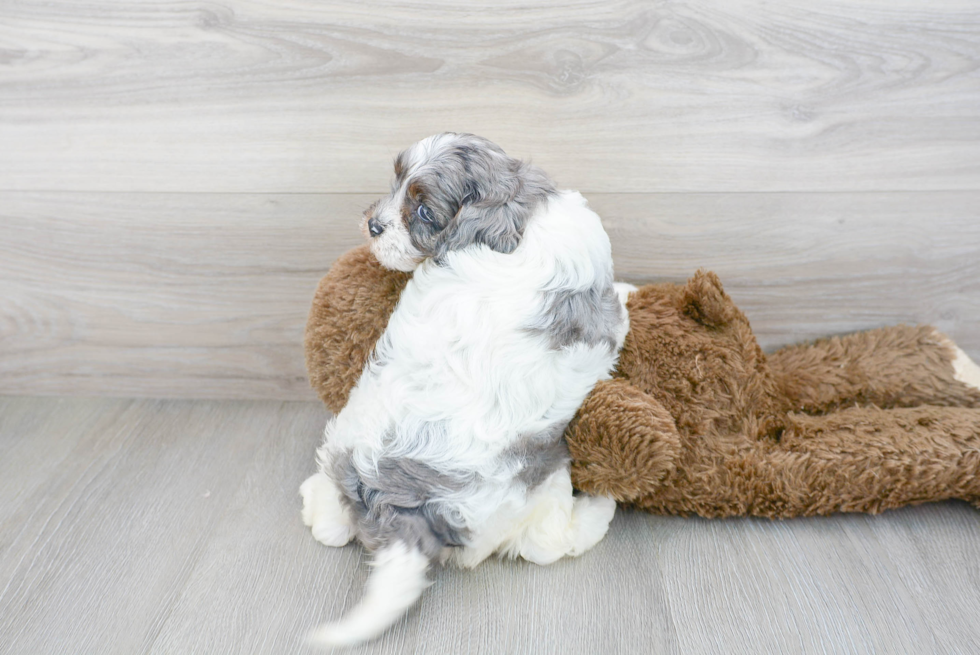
(965,370)
(323,511)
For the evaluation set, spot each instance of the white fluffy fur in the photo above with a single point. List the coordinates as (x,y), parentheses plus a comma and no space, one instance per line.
(324,513)
(396,583)
(393,246)
(965,370)
(456,353)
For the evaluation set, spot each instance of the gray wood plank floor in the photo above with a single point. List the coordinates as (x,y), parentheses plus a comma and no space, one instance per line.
(150,526)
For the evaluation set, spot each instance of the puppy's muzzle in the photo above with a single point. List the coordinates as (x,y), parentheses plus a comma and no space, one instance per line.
(375,227)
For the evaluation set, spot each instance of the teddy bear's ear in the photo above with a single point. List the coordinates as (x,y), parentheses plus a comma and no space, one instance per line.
(623,442)
(707,303)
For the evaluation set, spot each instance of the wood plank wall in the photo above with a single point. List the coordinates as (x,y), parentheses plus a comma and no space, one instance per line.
(176,176)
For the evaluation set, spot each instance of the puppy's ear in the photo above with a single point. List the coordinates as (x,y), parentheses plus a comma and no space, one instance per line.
(498,226)
(500,195)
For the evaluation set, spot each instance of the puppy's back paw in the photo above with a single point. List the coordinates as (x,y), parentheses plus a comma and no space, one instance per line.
(590,518)
(334,535)
(323,511)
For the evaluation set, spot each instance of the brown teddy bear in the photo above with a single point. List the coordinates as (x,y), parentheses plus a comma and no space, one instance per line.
(698,420)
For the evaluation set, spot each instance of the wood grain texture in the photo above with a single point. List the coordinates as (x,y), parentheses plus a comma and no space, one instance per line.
(624,96)
(803,266)
(173,527)
(164,295)
(206,295)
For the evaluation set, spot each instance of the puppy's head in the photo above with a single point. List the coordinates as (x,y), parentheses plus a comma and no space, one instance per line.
(453,191)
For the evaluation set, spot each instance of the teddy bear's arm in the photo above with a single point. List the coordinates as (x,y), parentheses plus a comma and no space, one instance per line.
(898,366)
(350,311)
(622,441)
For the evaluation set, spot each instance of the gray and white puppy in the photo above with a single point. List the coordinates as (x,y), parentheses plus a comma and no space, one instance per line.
(450,447)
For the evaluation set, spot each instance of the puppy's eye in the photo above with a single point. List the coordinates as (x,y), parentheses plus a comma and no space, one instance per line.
(424,214)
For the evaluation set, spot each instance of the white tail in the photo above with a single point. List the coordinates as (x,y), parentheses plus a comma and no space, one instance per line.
(398,579)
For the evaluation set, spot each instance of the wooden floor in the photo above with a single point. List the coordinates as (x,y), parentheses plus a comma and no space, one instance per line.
(149,526)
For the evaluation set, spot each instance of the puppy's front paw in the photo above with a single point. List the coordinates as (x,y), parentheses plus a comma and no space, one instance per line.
(590,516)
(323,512)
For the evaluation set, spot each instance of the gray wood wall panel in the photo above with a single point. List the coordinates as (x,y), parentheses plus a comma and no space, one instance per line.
(175,177)
(173,527)
(621,96)
(206,295)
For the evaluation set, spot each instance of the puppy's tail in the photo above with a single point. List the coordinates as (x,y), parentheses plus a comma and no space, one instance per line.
(398,579)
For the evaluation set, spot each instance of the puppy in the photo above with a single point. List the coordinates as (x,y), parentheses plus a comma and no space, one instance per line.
(450,447)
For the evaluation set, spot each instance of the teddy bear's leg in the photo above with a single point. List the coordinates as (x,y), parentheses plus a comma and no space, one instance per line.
(623,442)
(323,511)
(897,366)
(867,459)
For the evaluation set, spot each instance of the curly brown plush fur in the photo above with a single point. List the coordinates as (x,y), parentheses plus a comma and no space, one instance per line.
(699,420)
(351,308)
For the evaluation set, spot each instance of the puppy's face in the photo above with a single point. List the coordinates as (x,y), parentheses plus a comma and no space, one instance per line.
(452,191)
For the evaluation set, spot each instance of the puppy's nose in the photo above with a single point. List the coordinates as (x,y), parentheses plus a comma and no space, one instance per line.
(374,227)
